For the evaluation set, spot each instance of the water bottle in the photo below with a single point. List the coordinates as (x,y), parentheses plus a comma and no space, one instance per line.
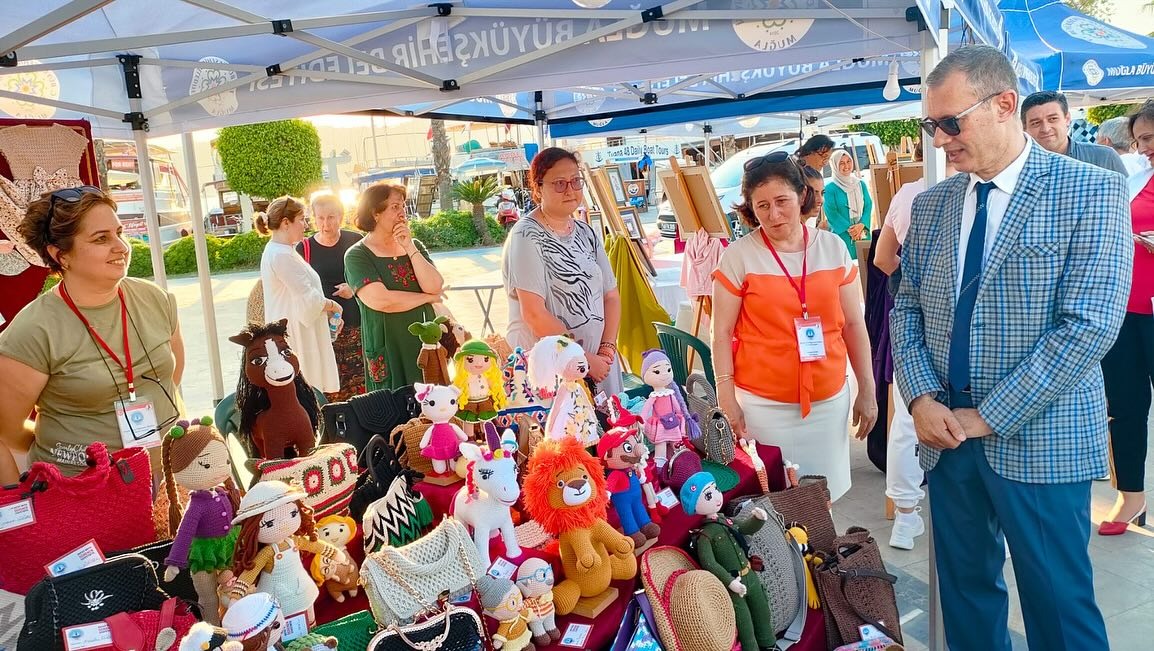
(334,323)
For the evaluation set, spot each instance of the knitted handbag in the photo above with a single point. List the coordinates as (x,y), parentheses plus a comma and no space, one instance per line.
(716,441)
(680,467)
(780,560)
(353,632)
(400,517)
(158,552)
(808,503)
(379,465)
(376,412)
(144,630)
(122,584)
(453,629)
(856,589)
(327,475)
(110,502)
(401,582)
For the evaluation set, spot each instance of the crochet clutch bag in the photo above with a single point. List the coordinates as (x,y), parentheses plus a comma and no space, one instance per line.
(716,435)
(401,583)
(453,629)
(780,559)
(327,475)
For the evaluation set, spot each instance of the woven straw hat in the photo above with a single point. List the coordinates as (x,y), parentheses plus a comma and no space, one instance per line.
(266,496)
(693,610)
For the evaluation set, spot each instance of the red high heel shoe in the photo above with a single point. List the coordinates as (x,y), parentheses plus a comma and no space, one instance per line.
(1119,528)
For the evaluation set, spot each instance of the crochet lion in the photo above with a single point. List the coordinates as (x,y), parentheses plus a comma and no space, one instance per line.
(565,492)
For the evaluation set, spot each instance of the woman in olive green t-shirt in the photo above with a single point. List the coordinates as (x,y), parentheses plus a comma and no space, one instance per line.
(75,374)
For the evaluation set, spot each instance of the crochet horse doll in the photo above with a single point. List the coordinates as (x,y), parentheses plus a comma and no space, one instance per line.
(278,409)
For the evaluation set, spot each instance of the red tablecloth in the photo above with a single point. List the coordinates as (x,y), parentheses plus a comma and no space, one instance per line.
(675,527)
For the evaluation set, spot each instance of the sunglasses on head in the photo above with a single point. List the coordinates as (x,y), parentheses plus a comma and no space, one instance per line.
(953,125)
(560,184)
(70,195)
(775,157)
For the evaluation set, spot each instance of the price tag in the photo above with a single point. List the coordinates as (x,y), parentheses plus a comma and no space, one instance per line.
(87,636)
(461,599)
(16,515)
(666,498)
(86,555)
(502,569)
(295,626)
(576,635)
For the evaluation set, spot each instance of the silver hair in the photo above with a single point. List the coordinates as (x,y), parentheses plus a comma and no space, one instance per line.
(987,70)
(1118,131)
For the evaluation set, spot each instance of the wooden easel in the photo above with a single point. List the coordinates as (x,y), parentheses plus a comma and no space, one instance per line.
(602,189)
(696,207)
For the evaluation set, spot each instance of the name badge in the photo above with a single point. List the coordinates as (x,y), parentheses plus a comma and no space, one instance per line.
(16,515)
(86,555)
(810,339)
(137,421)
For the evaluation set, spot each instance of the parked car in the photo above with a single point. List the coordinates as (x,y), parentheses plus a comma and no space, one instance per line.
(726,177)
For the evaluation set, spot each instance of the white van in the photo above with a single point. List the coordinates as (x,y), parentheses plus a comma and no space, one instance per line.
(726,177)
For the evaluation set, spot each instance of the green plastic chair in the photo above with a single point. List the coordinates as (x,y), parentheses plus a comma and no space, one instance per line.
(227,420)
(676,344)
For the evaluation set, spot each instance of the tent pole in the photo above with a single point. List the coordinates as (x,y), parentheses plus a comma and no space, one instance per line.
(539,117)
(208,308)
(151,219)
(935,170)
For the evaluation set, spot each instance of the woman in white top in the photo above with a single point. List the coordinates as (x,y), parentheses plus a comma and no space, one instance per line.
(293,291)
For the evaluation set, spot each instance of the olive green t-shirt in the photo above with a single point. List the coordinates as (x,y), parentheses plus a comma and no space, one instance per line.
(77,405)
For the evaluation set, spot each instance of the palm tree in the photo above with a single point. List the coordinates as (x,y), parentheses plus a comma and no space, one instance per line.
(442,159)
(476,193)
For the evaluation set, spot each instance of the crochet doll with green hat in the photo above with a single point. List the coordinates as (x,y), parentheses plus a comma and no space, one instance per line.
(195,456)
(478,376)
(722,549)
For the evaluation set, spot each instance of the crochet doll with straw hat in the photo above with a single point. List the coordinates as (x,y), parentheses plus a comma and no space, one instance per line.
(195,456)
(482,385)
(275,526)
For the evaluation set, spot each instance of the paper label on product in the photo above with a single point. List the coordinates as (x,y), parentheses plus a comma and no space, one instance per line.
(666,498)
(502,569)
(16,515)
(461,599)
(137,421)
(86,555)
(295,626)
(576,635)
(87,636)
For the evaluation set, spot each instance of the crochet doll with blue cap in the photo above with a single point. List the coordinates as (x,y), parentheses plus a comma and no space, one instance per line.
(722,550)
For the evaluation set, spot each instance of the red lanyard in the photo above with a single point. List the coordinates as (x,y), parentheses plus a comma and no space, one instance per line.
(126,365)
(804,257)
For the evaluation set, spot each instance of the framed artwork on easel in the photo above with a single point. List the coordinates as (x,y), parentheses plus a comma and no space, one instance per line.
(617,184)
(601,186)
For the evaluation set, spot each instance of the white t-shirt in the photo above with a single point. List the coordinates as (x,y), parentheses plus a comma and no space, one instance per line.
(898,216)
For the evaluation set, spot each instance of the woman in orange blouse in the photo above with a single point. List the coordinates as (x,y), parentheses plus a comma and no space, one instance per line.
(787,314)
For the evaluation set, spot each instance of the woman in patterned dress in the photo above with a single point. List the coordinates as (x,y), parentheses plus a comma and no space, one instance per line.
(395,284)
(557,275)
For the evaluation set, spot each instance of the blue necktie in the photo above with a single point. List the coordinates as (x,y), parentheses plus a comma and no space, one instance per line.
(968,296)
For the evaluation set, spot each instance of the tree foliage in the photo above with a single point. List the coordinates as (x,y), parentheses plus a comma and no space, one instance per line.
(271,159)
(442,159)
(891,132)
(477,192)
(1099,114)
(1100,9)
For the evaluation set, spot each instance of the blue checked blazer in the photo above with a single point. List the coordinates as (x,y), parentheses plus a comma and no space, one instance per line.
(1050,302)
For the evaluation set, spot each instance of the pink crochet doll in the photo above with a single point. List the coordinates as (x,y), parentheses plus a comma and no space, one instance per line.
(275,526)
(442,440)
(195,456)
(665,413)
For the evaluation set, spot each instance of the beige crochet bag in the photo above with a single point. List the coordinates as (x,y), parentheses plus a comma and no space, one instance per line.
(443,561)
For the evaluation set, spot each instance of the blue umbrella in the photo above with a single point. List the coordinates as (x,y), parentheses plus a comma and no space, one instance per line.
(478,166)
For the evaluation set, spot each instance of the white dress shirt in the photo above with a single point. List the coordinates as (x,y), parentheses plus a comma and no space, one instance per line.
(1135,163)
(898,216)
(996,204)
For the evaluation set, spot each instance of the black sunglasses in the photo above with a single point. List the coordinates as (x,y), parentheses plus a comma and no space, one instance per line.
(953,125)
(775,157)
(70,195)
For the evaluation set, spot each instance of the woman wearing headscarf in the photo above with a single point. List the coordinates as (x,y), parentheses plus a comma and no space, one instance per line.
(847,202)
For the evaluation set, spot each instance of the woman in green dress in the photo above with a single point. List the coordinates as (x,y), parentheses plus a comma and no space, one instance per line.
(395,283)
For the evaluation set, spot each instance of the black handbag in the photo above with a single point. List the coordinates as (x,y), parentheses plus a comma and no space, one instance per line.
(453,629)
(122,584)
(157,552)
(361,417)
(381,465)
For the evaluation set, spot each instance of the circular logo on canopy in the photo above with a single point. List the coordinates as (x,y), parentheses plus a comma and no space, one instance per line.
(600,123)
(1093,72)
(749,123)
(221,104)
(42,83)
(772,35)
(1094,32)
(591,4)
(586,103)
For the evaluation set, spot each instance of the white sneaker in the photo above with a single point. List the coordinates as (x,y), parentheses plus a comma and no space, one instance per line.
(907,526)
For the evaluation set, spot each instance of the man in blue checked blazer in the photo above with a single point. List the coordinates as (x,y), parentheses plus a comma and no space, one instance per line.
(1015,278)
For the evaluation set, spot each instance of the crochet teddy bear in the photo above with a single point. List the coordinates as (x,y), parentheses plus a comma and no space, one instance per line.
(432,360)
(535,580)
(503,602)
(564,491)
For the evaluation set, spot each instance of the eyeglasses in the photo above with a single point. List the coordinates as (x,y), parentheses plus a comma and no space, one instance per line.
(953,125)
(560,184)
(541,575)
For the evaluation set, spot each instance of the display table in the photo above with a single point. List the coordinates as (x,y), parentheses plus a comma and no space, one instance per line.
(675,528)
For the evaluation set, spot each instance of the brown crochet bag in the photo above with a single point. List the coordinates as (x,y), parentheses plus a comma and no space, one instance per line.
(405,440)
(808,503)
(855,589)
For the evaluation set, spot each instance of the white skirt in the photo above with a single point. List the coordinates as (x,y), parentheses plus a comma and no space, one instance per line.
(819,443)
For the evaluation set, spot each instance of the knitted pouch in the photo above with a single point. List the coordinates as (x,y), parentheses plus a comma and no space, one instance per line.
(716,441)
(353,632)
(682,464)
(110,502)
(855,589)
(327,475)
(808,503)
(780,561)
(400,517)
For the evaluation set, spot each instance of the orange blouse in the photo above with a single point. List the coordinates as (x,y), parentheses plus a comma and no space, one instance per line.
(766,355)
